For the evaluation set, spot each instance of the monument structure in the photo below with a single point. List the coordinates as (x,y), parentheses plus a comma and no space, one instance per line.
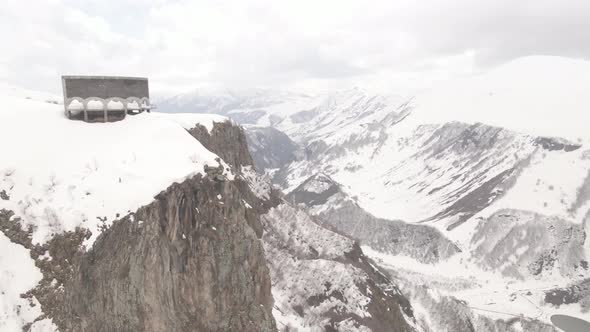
(104,98)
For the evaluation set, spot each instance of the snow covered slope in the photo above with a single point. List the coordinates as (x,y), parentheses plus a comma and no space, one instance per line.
(500,163)
(439,157)
(60,174)
(341,116)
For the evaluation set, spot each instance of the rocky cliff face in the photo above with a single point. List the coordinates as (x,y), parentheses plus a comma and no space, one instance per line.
(191,260)
(187,262)
(227,141)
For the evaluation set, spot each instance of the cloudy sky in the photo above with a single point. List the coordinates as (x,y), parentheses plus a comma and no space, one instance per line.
(303,45)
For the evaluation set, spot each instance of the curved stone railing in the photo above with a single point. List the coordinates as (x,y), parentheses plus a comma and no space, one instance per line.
(115,104)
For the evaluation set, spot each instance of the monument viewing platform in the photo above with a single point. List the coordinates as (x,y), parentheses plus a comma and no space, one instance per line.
(104,98)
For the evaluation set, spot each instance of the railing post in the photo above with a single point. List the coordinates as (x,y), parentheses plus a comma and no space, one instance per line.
(106,111)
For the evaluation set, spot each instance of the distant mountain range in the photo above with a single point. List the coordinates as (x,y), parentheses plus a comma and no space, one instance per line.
(488,175)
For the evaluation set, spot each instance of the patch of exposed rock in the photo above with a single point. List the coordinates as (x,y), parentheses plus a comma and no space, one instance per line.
(322,280)
(56,259)
(522,243)
(334,209)
(227,141)
(556,144)
(578,292)
(189,261)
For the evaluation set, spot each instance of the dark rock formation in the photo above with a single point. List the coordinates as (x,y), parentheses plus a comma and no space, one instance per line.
(318,197)
(387,301)
(189,261)
(342,214)
(520,243)
(556,144)
(475,201)
(227,141)
(65,251)
(578,292)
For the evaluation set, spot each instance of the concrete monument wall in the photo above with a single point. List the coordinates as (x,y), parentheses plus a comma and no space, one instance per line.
(112,96)
(105,87)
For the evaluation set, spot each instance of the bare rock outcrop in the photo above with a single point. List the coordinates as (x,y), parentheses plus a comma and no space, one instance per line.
(226,140)
(189,261)
(334,209)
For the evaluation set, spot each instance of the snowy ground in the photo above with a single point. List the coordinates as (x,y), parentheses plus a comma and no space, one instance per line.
(60,174)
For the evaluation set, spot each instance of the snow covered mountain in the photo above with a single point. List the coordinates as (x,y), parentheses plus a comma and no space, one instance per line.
(464,208)
(253,106)
(122,227)
(491,171)
(512,201)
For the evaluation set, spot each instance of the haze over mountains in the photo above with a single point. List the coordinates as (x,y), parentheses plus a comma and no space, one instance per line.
(521,95)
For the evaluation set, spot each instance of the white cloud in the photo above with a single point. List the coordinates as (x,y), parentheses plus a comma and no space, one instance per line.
(303,44)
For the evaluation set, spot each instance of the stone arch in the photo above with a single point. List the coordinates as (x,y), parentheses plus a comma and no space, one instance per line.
(116,99)
(92,99)
(78,99)
(133,105)
(117,112)
(69,109)
(134,100)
